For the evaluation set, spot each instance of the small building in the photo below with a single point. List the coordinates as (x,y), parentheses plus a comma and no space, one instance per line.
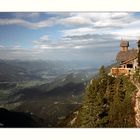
(127,60)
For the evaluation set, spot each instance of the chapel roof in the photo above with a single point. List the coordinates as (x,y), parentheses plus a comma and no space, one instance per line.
(126,55)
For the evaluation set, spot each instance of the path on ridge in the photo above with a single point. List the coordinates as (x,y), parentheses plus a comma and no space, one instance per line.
(137,105)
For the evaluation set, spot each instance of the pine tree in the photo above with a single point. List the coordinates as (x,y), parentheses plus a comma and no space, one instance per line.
(102,73)
(90,110)
(115,113)
(93,111)
(121,113)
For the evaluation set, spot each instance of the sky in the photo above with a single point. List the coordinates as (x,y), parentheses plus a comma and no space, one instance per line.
(74,36)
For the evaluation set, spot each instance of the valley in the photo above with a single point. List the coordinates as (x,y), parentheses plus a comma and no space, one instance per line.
(48,90)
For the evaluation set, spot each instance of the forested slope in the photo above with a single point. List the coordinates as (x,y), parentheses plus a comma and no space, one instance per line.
(108,102)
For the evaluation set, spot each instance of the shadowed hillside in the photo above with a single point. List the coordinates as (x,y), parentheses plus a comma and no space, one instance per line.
(19,119)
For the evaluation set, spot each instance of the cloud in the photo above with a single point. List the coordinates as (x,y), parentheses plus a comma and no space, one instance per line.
(18,52)
(44,38)
(84,42)
(25,23)
(26,14)
(76,20)
(78,47)
(78,31)
(104,23)
(90,33)
(81,48)
(108,19)
(130,32)
(42,41)
(44,46)
(1,46)
(36,42)
(99,20)
(115,20)
(45,43)
(88,36)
